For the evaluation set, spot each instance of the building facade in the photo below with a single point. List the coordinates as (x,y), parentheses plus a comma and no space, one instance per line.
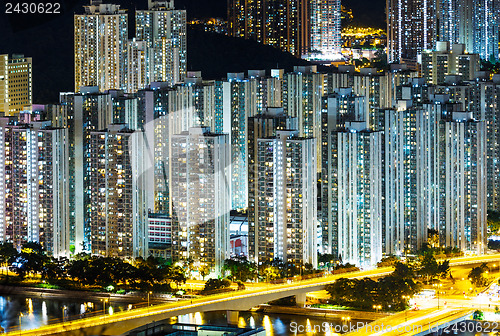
(325,29)
(200,191)
(34,186)
(285,220)
(339,108)
(473,23)
(15,84)
(411,29)
(281,24)
(101,37)
(463,205)
(446,60)
(402,232)
(116,208)
(163,29)
(356,195)
(302,93)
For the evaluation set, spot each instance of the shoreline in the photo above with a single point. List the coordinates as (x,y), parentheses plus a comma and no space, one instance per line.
(77,294)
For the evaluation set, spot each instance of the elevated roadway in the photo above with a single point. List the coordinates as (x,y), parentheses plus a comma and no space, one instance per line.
(418,323)
(121,323)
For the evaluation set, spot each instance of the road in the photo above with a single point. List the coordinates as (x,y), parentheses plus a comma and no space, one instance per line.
(411,323)
(251,293)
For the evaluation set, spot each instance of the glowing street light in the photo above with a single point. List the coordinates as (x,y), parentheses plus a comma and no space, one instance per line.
(438,286)
(406,297)
(20,324)
(149,293)
(104,309)
(345,319)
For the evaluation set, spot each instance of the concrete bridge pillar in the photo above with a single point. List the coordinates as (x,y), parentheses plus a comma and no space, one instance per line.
(300,299)
(232,317)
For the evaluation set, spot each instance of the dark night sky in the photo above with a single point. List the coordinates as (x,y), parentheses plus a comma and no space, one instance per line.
(49,40)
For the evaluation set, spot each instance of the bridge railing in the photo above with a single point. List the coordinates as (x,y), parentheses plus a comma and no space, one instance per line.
(314,275)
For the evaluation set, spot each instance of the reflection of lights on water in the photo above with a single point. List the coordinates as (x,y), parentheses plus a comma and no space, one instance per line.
(45,317)
(279,327)
(111,311)
(241,322)
(252,322)
(30,306)
(268,325)
(192,318)
(308,327)
(185,318)
(198,319)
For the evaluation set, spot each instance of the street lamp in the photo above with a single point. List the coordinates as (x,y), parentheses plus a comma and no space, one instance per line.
(438,286)
(149,293)
(20,325)
(377,307)
(63,311)
(345,319)
(406,297)
(104,309)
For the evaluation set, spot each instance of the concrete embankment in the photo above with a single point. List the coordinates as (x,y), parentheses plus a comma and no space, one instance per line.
(321,312)
(75,294)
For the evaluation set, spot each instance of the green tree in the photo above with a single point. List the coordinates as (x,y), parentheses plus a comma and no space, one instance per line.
(477,275)
(176,275)
(269,272)
(102,271)
(478,315)
(431,269)
(32,259)
(494,221)
(53,269)
(389,292)
(327,260)
(356,293)
(388,261)
(492,66)
(8,254)
(403,271)
(148,272)
(204,270)
(240,268)
(188,265)
(380,60)
(215,284)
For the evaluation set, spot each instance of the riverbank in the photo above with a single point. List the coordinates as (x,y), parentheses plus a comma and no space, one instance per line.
(323,313)
(75,294)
